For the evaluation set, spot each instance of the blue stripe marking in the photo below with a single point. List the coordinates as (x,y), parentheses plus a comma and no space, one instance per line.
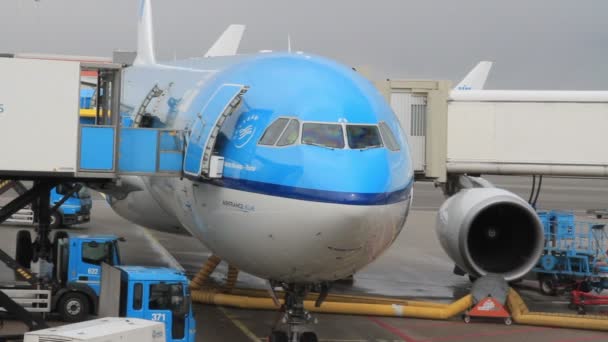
(325,196)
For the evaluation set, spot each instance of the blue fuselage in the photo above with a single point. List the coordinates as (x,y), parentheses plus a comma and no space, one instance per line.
(282,183)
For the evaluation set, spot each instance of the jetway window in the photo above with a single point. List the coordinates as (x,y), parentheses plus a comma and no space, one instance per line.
(273,132)
(324,135)
(290,136)
(389,138)
(418,120)
(363,136)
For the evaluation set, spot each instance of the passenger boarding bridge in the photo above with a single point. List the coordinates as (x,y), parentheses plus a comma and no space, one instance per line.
(41,123)
(559,133)
(43,139)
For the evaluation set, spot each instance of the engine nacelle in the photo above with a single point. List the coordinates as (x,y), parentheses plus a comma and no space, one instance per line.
(490,230)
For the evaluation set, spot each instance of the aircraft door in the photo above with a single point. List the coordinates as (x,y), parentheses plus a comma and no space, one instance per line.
(206,128)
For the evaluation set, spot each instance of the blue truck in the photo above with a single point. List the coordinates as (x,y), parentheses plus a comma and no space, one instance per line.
(75,210)
(154,293)
(71,286)
(72,278)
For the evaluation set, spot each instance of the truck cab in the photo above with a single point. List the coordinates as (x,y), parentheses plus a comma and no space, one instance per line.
(77,272)
(71,282)
(75,210)
(158,294)
(80,258)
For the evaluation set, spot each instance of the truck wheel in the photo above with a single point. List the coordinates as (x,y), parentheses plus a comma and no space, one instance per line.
(73,307)
(24,250)
(55,220)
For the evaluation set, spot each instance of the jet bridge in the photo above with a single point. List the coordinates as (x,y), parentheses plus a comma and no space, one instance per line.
(559,133)
(42,139)
(41,134)
(504,132)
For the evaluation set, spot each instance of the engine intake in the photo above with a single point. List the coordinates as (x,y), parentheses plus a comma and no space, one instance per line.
(490,230)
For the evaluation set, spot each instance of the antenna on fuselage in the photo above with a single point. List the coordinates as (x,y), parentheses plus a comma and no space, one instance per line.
(288,43)
(145,35)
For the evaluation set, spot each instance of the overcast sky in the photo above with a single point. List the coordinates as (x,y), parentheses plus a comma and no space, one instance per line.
(535,44)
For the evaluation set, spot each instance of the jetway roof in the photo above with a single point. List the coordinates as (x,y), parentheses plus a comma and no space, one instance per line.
(528,96)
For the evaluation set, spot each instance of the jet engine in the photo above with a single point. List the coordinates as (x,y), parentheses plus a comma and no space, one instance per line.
(490,230)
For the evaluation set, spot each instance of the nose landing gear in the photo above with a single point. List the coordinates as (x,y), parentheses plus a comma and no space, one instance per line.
(294,326)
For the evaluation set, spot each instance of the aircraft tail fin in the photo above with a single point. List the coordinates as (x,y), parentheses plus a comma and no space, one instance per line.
(476,78)
(228,43)
(145,35)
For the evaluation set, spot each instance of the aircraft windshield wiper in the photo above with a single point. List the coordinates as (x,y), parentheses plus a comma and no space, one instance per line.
(369,147)
(319,145)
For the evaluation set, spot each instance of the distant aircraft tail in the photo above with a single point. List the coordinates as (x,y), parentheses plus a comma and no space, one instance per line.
(145,35)
(228,43)
(476,78)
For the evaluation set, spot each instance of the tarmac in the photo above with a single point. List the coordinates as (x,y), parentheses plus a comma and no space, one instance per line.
(414,267)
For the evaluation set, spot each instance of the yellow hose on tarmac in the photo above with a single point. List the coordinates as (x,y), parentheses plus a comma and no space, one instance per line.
(522,315)
(343,298)
(231,278)
(376,306)
(203,275)
(395,310)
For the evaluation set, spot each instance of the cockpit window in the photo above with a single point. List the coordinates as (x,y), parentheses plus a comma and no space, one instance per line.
(389,138)
(290,136)
(363,136)
(273,132)
(325,135)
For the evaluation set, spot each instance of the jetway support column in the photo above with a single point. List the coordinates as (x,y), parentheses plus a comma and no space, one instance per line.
(42,244)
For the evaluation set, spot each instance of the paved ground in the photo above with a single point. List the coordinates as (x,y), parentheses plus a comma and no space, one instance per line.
(414,267)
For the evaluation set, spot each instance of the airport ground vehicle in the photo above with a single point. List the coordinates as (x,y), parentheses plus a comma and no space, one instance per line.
(71,283)
(73,287)
(154,293)
(76,209)
(111,329)
(574,253)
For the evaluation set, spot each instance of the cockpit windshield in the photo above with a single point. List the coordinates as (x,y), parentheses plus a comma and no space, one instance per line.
(290,136)
(363,136)
(287,131)
(273,132)
(389,138)
(282,132)
(324,135)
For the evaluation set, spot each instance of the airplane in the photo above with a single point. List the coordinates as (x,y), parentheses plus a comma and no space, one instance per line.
(317,178)
(297,171)
(476,78)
